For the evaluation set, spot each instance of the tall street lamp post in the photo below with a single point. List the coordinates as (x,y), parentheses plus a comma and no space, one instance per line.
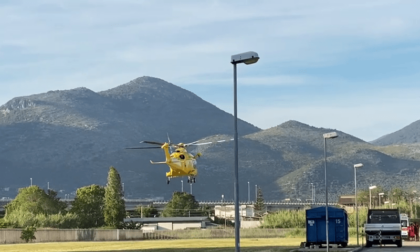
(182,185)
(249,194)
(327,136)
(370,195)
(355,201)
(31,181)
(256,193)
(380,194)
(247,58)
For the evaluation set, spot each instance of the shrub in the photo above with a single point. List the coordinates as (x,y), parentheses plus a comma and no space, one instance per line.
(28,234)
(22,218)
(285,219)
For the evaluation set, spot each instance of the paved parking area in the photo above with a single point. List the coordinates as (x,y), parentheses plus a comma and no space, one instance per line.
(408,246)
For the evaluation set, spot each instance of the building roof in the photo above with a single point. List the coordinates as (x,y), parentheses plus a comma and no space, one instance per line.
(168,219)
(346,200)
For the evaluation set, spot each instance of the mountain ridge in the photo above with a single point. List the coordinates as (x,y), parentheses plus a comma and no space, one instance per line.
(70,138)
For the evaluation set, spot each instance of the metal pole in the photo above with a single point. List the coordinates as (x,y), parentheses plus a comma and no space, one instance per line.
(31,181)
(312,193)
(379,199)
(326,194)
(355,205)
(249,196)
(256,193)
(48,185)
(191,188)
(370,198)
(236,193)
(182,185)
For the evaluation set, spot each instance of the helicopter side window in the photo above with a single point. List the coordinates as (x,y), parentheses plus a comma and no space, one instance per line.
(181,156)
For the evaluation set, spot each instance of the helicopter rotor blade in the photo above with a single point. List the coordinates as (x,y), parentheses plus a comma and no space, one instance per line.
(141,148)
(202,143)
(219,141)
(152,142)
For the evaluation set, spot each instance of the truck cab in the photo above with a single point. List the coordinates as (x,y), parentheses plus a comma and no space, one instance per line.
(383,226)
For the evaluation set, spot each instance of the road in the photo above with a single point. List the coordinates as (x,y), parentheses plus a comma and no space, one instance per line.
(408,246)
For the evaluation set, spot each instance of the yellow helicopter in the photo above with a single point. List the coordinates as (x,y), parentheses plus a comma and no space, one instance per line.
(180,162)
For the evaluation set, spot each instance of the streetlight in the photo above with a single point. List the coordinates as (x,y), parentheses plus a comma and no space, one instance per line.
(256,194)
(48,185)
(224,208)
(249,196)
(182,185)
(370,195)
(191,188)
(123,188)
(327,136)
(355,200)
(380,194)
(247,58)
(31,181)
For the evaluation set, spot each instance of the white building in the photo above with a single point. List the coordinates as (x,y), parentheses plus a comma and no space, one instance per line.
(170,223)
(228,211)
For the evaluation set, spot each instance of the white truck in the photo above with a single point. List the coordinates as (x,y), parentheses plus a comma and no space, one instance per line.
(383,226)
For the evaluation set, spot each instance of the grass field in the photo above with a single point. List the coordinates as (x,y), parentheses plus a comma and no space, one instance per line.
(213,245)
(181,245)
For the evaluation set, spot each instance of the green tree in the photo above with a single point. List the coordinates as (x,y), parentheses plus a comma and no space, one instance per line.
(181,204)
(114,211)
(363,197)
(89,206)
(148,211)
(259,204)
(28,234)
(36,201)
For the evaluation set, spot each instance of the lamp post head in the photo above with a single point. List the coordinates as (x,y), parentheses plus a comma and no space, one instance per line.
(330,135)
(381,194)
(372,187)
(358,165)
(246,57)
(386,202)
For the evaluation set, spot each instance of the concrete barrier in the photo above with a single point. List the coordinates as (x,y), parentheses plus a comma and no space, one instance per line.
(8,236)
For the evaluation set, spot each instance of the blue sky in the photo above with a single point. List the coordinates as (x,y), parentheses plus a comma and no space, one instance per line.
(347,65)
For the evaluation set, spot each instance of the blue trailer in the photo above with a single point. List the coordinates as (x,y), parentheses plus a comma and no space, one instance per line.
(338,231)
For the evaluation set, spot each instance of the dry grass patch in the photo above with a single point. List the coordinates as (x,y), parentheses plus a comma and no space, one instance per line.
(213,245)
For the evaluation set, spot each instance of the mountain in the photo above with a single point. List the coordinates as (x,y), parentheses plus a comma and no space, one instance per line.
(70,139)
(287,158)
(407,135)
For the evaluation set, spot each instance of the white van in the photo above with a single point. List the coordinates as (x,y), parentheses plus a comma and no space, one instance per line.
(404,226)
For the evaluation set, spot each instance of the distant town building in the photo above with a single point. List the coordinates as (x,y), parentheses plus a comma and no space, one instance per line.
(346,200)
(171,223)
(228,211)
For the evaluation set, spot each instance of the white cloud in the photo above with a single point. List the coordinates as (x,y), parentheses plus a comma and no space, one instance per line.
(50,45)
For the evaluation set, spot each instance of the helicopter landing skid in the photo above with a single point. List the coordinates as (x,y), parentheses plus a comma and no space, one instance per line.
(191,180)
(168,180)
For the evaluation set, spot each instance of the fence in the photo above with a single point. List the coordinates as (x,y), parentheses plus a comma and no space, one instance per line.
(216,233)
(66,235)
(63,235)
